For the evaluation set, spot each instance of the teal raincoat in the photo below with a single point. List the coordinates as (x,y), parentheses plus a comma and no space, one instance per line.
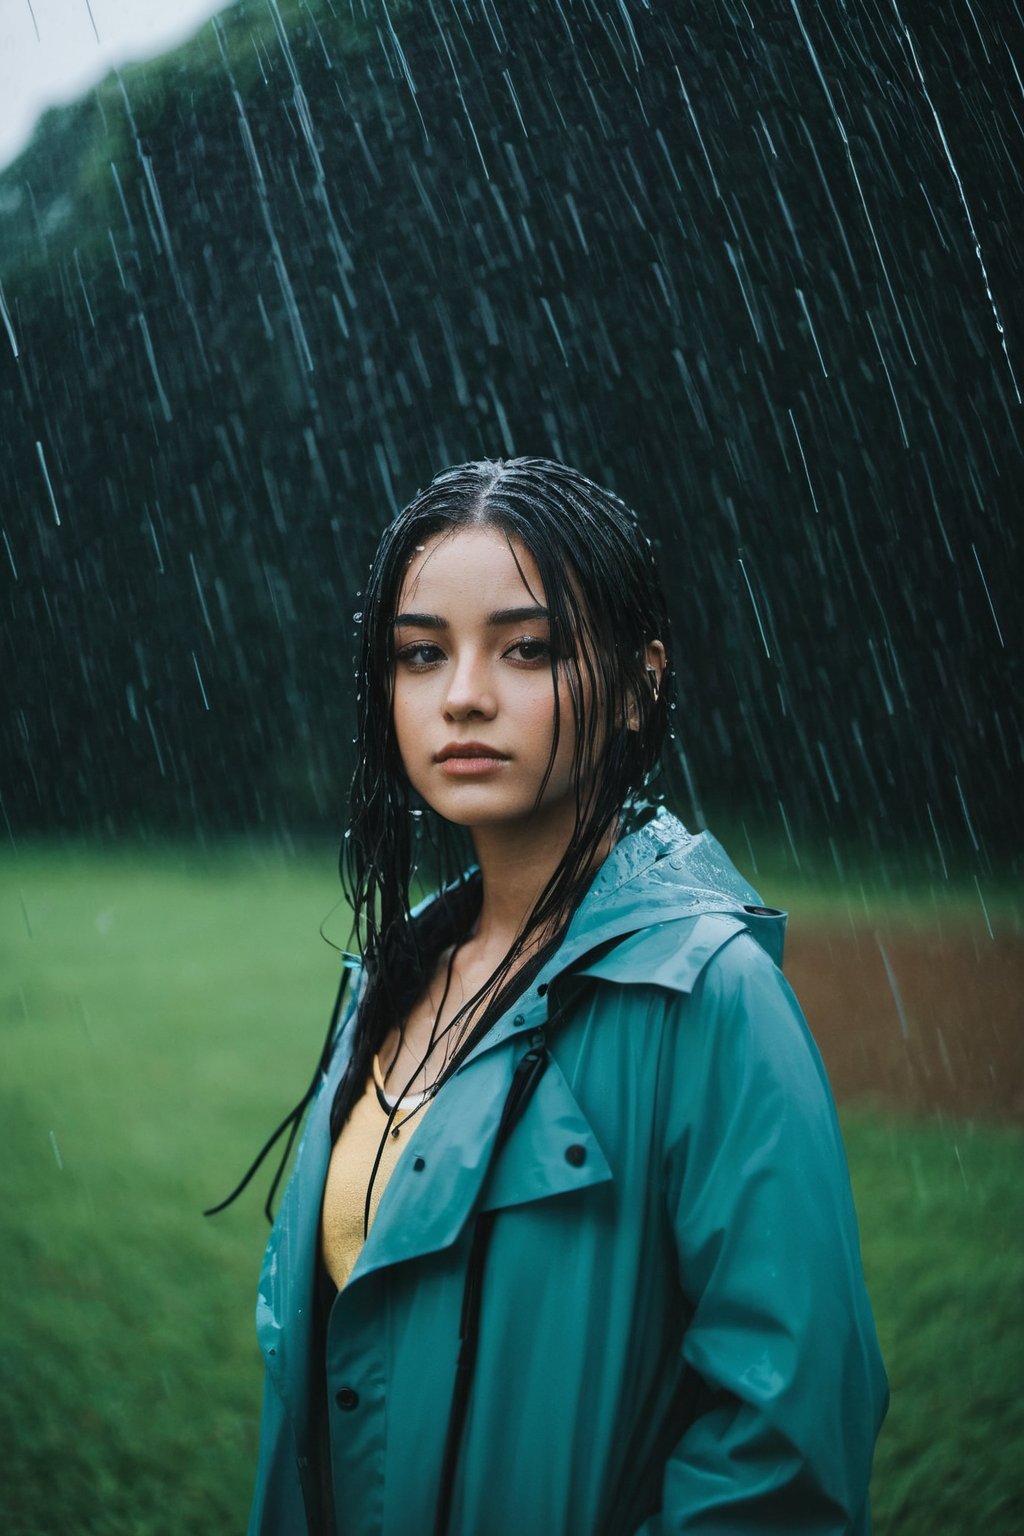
(674,1331)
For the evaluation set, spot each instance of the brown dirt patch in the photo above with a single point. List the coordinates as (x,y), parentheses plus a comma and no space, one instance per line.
(919,1020)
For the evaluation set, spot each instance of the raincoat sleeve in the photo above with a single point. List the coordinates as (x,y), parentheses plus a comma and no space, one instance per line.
(790,1381)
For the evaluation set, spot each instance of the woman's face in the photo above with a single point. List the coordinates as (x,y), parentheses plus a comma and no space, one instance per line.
(473,703)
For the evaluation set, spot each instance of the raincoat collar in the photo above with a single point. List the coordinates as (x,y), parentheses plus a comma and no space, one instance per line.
(645,902)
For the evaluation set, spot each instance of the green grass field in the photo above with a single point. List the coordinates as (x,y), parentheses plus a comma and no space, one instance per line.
(160,1012)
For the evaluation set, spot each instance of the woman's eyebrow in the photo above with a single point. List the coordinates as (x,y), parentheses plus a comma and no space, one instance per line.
(420,620)
(498,617)
(517,615)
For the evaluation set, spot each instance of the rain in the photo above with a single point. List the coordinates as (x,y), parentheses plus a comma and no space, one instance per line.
(755,267)
(755,271)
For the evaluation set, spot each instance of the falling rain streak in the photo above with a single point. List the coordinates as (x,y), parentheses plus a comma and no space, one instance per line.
(8,327)
(49,484)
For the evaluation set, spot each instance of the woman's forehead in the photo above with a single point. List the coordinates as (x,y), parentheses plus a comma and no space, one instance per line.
(480,566)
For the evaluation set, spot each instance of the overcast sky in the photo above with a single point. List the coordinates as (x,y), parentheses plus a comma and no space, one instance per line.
(49,51)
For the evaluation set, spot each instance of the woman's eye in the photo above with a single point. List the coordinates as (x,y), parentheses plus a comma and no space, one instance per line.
(421,654)
(527,648)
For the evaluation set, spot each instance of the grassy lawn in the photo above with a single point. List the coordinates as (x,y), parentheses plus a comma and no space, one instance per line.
(159,1013)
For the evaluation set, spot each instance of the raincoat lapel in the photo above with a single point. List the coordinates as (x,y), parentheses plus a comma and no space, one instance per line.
(445,1173)
(441,1171)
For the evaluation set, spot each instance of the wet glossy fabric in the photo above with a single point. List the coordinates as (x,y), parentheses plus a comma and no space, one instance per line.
(675,1335)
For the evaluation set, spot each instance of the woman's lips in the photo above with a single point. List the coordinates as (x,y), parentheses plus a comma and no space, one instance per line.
(469,760)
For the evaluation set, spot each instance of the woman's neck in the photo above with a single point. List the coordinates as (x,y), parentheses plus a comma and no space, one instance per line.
(516,863)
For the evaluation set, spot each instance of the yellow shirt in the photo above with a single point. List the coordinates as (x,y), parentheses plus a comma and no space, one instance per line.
(348,1174)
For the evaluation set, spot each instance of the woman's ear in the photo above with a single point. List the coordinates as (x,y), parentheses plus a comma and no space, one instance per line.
(655,662)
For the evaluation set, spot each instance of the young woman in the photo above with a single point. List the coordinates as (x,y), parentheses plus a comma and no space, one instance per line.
(569,1248)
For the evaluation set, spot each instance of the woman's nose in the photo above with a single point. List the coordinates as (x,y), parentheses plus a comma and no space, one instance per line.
(470,691)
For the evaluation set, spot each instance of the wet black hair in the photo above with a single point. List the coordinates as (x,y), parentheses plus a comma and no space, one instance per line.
(603,592)
(604,597)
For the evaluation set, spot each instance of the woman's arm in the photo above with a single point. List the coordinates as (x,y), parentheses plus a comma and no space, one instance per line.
(781,1334)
